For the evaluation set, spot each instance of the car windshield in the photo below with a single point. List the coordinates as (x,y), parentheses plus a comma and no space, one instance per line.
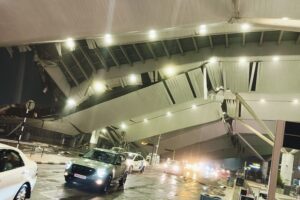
(101,156)
(130,156)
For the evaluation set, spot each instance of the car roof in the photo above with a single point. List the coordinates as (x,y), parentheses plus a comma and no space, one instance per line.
(106,150)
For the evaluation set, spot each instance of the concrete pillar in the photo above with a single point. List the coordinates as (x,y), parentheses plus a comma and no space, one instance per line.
(94,139)
(286,169)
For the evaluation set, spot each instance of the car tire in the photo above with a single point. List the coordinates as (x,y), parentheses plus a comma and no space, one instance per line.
(68,180)
(130,170)
(22,193)
(106,186)
(123,180)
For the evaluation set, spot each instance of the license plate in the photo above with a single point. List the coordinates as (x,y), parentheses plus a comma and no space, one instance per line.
(79,176)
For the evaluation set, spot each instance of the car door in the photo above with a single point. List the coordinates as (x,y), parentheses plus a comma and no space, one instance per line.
(11,173)
(118,167)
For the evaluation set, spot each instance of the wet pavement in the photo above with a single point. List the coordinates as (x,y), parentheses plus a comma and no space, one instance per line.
(150,185)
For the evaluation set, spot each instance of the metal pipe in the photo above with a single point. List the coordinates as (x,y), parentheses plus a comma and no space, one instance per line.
(250,146)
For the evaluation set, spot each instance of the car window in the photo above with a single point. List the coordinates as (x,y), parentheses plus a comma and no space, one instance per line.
(9,160)
(101,156)
(136,158)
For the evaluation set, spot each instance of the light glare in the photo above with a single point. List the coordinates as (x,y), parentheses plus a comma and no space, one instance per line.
(245,27)
(145,120)
(132,78)
(285,18)
(202,29)
(99,86)
(262,100)
(108,39)
(152,34)
(275,58)
(213,60)
(71,103)
(169,71)
(104,130)
(295,101)
(242,60)
(70,44)
(169,114)
(123,126)
(194,106)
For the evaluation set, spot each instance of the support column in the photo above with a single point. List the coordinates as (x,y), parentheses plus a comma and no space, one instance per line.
(286,169)
(94,139)
(265,166)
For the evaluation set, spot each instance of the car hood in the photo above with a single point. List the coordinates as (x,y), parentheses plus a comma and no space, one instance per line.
(91,163)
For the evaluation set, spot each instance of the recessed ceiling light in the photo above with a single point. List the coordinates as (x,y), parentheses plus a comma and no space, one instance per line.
(71,102)
(285,18)
(70,44)
(202,29)
(152,34)
(132,78)
(262,100)
(145,120)
(169,71)
(275,58)
(213,60)
(245,27)
(123,126)
(104,130)
(108,39)
(242,59)
(295,101)
(99,86)
(194,106)
(169,114)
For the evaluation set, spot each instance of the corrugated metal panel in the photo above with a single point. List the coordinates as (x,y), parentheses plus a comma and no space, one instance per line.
(196,77)
(180,89)
(237,76)
(214,71)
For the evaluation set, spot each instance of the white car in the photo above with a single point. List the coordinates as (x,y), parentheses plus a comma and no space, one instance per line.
(135,162)
(17,174)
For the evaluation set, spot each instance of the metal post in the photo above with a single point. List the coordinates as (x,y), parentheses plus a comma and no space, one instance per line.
(152,154)
(205,82)
(280,125)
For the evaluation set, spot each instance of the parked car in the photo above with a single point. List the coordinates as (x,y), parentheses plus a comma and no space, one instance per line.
(17,174)
(135,162)
(118,149)
(98,167)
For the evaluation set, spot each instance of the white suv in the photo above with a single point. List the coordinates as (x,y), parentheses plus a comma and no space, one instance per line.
(17,174)
(135,162)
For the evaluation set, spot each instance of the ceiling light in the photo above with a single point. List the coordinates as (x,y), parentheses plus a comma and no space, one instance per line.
(213,60)
(202,29)
(285,18)
(145,120)
(295,101)
(242,59)
(132,78)
(169,114)
(71,103)
(194,106)
(70,44)
(275,58)
(99,86)
(104,130)
(152,34)
(123,126)
(108,39)
(169,71)
(262,100)
(245,27)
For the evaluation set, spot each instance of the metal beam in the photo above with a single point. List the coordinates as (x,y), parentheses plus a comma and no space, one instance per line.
(165,49)
(88,59)
(138,53)
(211,42)
(250,146)
(261,39)
(101,59)
(69,72)
(195,44)
(280,37)
(249,109)
(151,51)
(126,55)
(298,39)
(113,57)
(244,39)
(79,65)
(226,41)
(179,46)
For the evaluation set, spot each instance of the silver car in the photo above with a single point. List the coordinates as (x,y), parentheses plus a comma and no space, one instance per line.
(99,167)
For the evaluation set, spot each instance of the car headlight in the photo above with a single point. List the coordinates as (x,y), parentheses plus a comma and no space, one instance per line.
(101,172)
(68,165)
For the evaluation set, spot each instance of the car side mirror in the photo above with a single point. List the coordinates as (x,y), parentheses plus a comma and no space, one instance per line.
(80,155)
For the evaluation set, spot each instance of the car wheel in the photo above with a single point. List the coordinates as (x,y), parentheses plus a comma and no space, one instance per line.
(123,179)
(107,184)
(68,180)
(22,193)
(130,169)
